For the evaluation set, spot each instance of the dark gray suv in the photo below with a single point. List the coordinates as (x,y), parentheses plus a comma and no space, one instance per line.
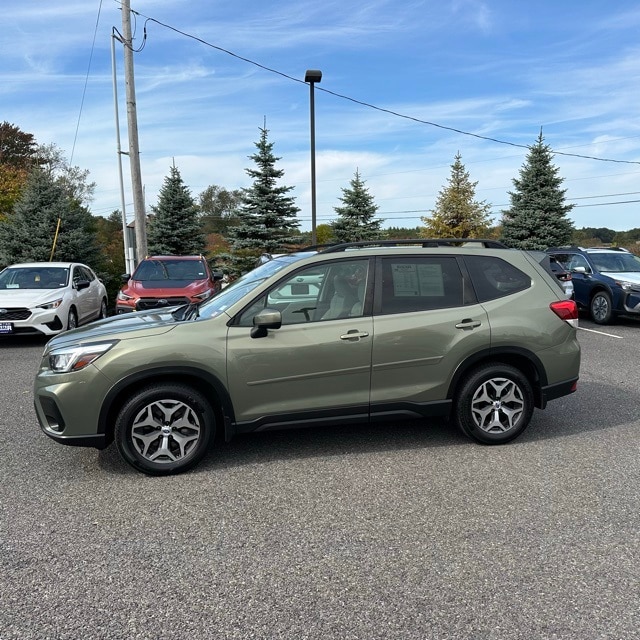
(354,333)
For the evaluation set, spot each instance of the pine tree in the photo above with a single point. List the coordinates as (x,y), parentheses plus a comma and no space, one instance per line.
(175,228)
(537,218)
(29,233)
(267,216)
(457,214)
(356,219)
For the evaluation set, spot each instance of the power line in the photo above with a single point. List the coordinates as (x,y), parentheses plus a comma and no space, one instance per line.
(86,82)
(366,104)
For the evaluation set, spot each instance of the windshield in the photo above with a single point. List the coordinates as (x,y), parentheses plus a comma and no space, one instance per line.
(177,270)
(617,262)
(34,278)
(245,284)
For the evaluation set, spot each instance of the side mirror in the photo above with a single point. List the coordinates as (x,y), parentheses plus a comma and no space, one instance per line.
(580,269)
(265,320)
(125,277)
(217,275)
(82,284)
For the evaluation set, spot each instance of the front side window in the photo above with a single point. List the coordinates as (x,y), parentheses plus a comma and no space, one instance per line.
(323,292)
(416,283)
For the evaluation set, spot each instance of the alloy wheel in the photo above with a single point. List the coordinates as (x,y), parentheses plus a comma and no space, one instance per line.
(497,405)
(166,431)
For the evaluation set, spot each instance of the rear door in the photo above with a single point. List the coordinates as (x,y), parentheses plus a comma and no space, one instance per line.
(426,321)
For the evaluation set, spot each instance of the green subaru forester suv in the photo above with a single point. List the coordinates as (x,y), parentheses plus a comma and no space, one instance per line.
(358,332)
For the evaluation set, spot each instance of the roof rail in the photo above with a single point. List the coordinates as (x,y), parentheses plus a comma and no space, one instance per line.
(612,249)
(421,242)
(565,247)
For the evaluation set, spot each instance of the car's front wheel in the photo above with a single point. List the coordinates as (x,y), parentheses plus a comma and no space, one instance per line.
(103,310)
(601,308)
(72,319)
(494,404)
(164,429)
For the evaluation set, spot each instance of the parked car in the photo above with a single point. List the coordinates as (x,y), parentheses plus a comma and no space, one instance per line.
(563,276)
(166,281)
(606,281)
(355,333)
(45,298)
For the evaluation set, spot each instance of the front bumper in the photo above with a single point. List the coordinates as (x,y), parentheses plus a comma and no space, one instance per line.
(42,322)
(68,406)
(631,302)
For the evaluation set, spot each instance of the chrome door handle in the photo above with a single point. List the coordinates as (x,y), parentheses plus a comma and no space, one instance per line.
(354,334)
(468,324)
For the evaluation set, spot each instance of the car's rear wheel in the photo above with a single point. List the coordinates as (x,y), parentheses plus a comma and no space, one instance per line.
(103,310)
(72,319)
(164,428)
(494,404)
(600,308)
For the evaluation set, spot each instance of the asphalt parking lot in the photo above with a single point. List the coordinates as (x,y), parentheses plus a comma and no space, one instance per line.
(395,531)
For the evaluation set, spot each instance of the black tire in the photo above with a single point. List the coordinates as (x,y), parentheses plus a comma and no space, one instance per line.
(600,308)
(494,404)
(72,319)
(164,429)
(103,309)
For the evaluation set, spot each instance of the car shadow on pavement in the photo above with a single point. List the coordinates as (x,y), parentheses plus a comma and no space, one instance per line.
(595,406)
(291,444)
(584,411)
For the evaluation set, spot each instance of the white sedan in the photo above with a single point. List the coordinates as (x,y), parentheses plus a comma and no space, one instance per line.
(45,298)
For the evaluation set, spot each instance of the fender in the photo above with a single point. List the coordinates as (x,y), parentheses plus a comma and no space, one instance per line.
(203,380)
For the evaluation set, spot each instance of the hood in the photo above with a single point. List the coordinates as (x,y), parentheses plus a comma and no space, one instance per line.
(122,327)
(626,276)
(29,297)
(165,287)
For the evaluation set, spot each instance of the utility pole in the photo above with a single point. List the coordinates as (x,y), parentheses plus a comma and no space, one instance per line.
(140,220)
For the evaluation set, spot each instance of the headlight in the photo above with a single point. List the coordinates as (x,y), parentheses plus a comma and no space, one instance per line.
(76,358)
(627,286)
(50,305)
(203,296)
(124,296)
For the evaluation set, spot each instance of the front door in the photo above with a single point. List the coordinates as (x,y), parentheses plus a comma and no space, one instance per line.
(317,365)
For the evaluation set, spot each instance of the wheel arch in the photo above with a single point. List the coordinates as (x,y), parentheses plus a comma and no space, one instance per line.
(204,382)
(522,359)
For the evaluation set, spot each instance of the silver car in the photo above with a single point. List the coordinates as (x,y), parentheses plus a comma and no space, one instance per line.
(45,298)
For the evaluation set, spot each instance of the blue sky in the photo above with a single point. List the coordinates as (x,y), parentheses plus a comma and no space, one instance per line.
(496,68)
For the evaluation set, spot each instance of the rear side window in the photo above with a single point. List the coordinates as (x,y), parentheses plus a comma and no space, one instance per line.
(494,277)
(415,283)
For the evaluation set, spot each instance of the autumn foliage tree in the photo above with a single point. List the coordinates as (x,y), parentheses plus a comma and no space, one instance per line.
(457,214)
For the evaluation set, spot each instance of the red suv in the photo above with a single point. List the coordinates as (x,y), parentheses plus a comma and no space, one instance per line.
(167,281)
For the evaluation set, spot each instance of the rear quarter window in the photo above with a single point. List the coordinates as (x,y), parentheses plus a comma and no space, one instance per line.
(494,277)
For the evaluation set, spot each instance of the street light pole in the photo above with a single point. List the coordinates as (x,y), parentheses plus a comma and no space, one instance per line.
(312,76)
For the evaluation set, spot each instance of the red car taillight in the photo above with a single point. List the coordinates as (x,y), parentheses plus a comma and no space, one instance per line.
(566,310)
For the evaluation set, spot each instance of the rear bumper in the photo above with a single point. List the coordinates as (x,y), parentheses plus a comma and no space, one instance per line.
(553,391)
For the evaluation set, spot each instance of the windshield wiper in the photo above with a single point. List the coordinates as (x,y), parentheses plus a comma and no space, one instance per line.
(186,312)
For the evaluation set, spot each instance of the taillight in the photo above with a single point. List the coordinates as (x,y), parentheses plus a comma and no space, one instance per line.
(566,310)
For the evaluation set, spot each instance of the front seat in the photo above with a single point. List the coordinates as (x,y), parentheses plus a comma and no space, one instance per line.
(344,297)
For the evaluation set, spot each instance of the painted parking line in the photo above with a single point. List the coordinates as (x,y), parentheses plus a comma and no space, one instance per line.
(602,333)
